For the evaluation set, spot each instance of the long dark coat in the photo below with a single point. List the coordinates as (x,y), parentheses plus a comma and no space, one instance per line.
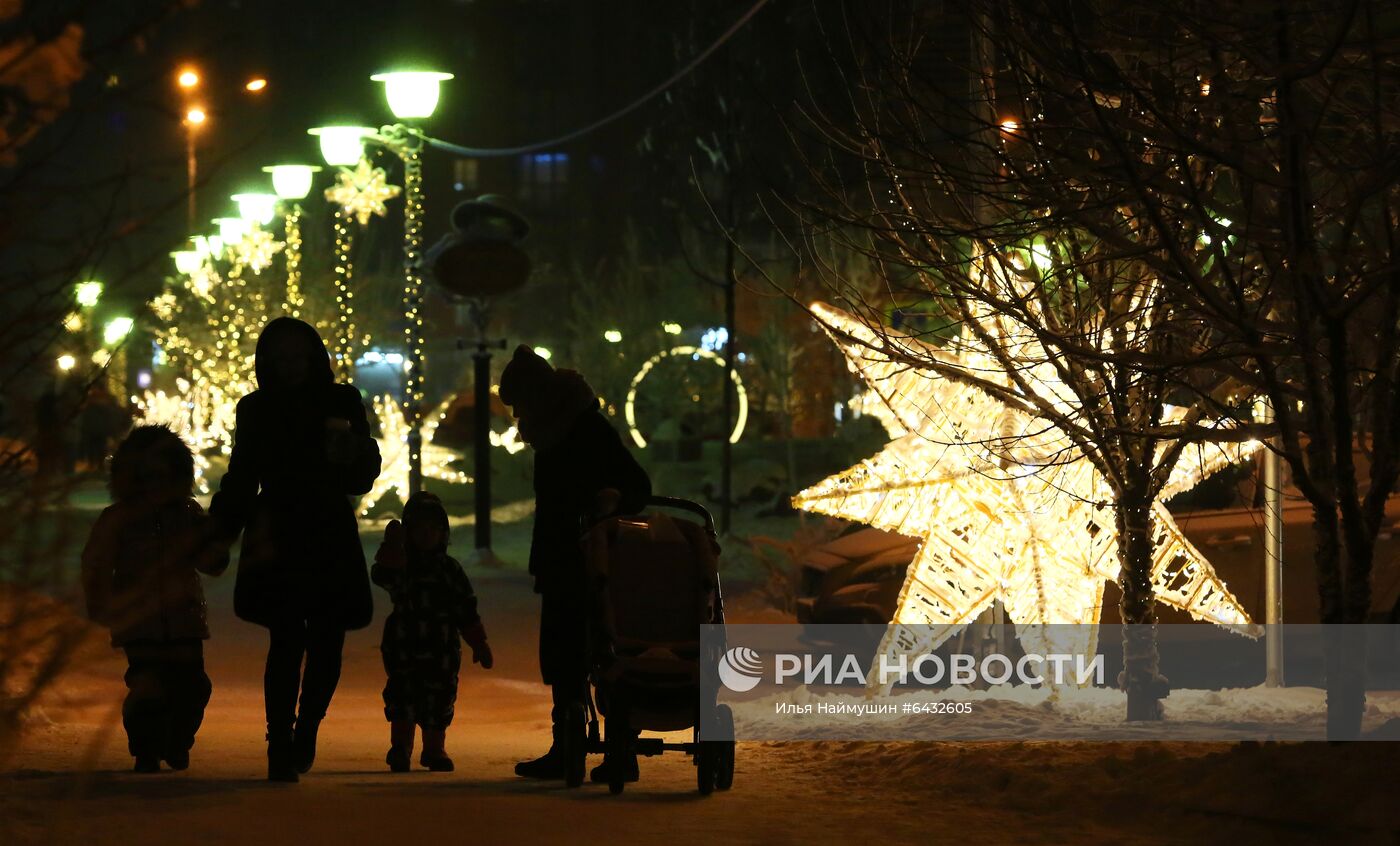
(568,476)
(301,557)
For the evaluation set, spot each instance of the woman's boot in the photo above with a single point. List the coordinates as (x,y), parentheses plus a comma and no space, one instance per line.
(434,755)
(281,763)
(304,744)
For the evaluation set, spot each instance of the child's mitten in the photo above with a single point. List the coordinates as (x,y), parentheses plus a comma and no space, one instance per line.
(392,551)
(481,650)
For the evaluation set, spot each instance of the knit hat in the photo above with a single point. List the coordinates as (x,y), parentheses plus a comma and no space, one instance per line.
(526,375)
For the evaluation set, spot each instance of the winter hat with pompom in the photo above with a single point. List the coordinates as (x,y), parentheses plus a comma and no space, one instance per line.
(526,375)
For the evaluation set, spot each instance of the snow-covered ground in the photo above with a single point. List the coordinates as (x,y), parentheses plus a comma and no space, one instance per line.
(68,783)
(1026,713)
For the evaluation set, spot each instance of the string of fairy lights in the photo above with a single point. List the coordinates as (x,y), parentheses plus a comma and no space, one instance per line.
(294,299)
(343,340)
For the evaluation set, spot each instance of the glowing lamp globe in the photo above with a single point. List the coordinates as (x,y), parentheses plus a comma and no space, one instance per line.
(412,94)
(187,261)
(116,329)
(256,207)
(88,293)
(292,181)
(232,229)
(341,146)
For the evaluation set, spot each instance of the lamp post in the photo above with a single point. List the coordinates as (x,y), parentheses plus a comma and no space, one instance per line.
(292,183)
(114,336)
(412,96)
(1273,554)
(343,147)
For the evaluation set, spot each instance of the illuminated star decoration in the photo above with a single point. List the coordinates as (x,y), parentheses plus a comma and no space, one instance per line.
(393,452)
(256,249)
(362,191)
(1036,532)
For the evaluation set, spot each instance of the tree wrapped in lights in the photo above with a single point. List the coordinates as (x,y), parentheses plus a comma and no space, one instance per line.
(207,325)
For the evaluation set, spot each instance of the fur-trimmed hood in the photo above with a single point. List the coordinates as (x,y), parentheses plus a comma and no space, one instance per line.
(152,456)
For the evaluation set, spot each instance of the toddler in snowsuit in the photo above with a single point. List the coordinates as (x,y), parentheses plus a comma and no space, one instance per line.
(140,572)
(434,609)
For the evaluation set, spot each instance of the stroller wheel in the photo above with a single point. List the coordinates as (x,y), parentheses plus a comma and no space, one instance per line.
(706,765)
(724,771)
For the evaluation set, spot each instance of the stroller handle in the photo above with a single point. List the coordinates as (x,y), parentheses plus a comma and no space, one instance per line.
(686,505)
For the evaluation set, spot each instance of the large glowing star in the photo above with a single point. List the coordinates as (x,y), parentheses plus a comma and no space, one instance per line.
(393,452)
(362,191)
(1007,509)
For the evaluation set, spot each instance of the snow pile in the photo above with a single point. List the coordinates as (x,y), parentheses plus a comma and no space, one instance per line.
(1026,713)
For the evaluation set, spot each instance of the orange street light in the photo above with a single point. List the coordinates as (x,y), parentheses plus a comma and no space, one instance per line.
(188,78)
(1009,125)
(255,85)
(195,116)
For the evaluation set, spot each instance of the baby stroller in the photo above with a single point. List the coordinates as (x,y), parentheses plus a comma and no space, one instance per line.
(653,582)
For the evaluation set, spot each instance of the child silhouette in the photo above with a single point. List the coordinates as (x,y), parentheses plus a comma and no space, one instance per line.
(434,610)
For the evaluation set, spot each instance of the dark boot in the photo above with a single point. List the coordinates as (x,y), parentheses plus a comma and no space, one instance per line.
(281,760)
(146,764)
(178,759)
(400,757)
(434,755)
(600,773)
(550,765)
(304,744)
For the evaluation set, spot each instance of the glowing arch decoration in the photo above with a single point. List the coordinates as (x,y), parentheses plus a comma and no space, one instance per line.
(1024,519)
(393,453)
(696,353)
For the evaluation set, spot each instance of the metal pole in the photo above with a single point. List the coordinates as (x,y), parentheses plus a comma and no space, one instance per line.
(481,437)
(1273,556)
(192,176)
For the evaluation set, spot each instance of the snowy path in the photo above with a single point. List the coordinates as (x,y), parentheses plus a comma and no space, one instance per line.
(69,782)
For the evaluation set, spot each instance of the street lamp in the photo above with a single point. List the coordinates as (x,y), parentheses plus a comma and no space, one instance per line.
(88,293)
(116,330)
(232,229)
(113,334)
(292,182)
(256,208)
(341,146)
(187,261)
(412,96)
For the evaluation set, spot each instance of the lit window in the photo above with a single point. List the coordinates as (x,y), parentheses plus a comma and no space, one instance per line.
(543,176)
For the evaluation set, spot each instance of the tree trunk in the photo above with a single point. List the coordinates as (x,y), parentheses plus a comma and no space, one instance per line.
(1344,645)
(1140,678)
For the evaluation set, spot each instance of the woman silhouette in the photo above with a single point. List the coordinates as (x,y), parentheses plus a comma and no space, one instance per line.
(302,447)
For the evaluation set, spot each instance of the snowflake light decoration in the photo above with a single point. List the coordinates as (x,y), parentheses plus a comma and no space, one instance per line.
(393,453)
(362,191)
(256,249)
(1004,514)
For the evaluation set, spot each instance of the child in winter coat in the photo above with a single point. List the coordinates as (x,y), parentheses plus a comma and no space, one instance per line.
(140,572)
(434,609)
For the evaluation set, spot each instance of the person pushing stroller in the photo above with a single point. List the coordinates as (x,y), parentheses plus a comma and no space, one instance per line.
(435,609)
